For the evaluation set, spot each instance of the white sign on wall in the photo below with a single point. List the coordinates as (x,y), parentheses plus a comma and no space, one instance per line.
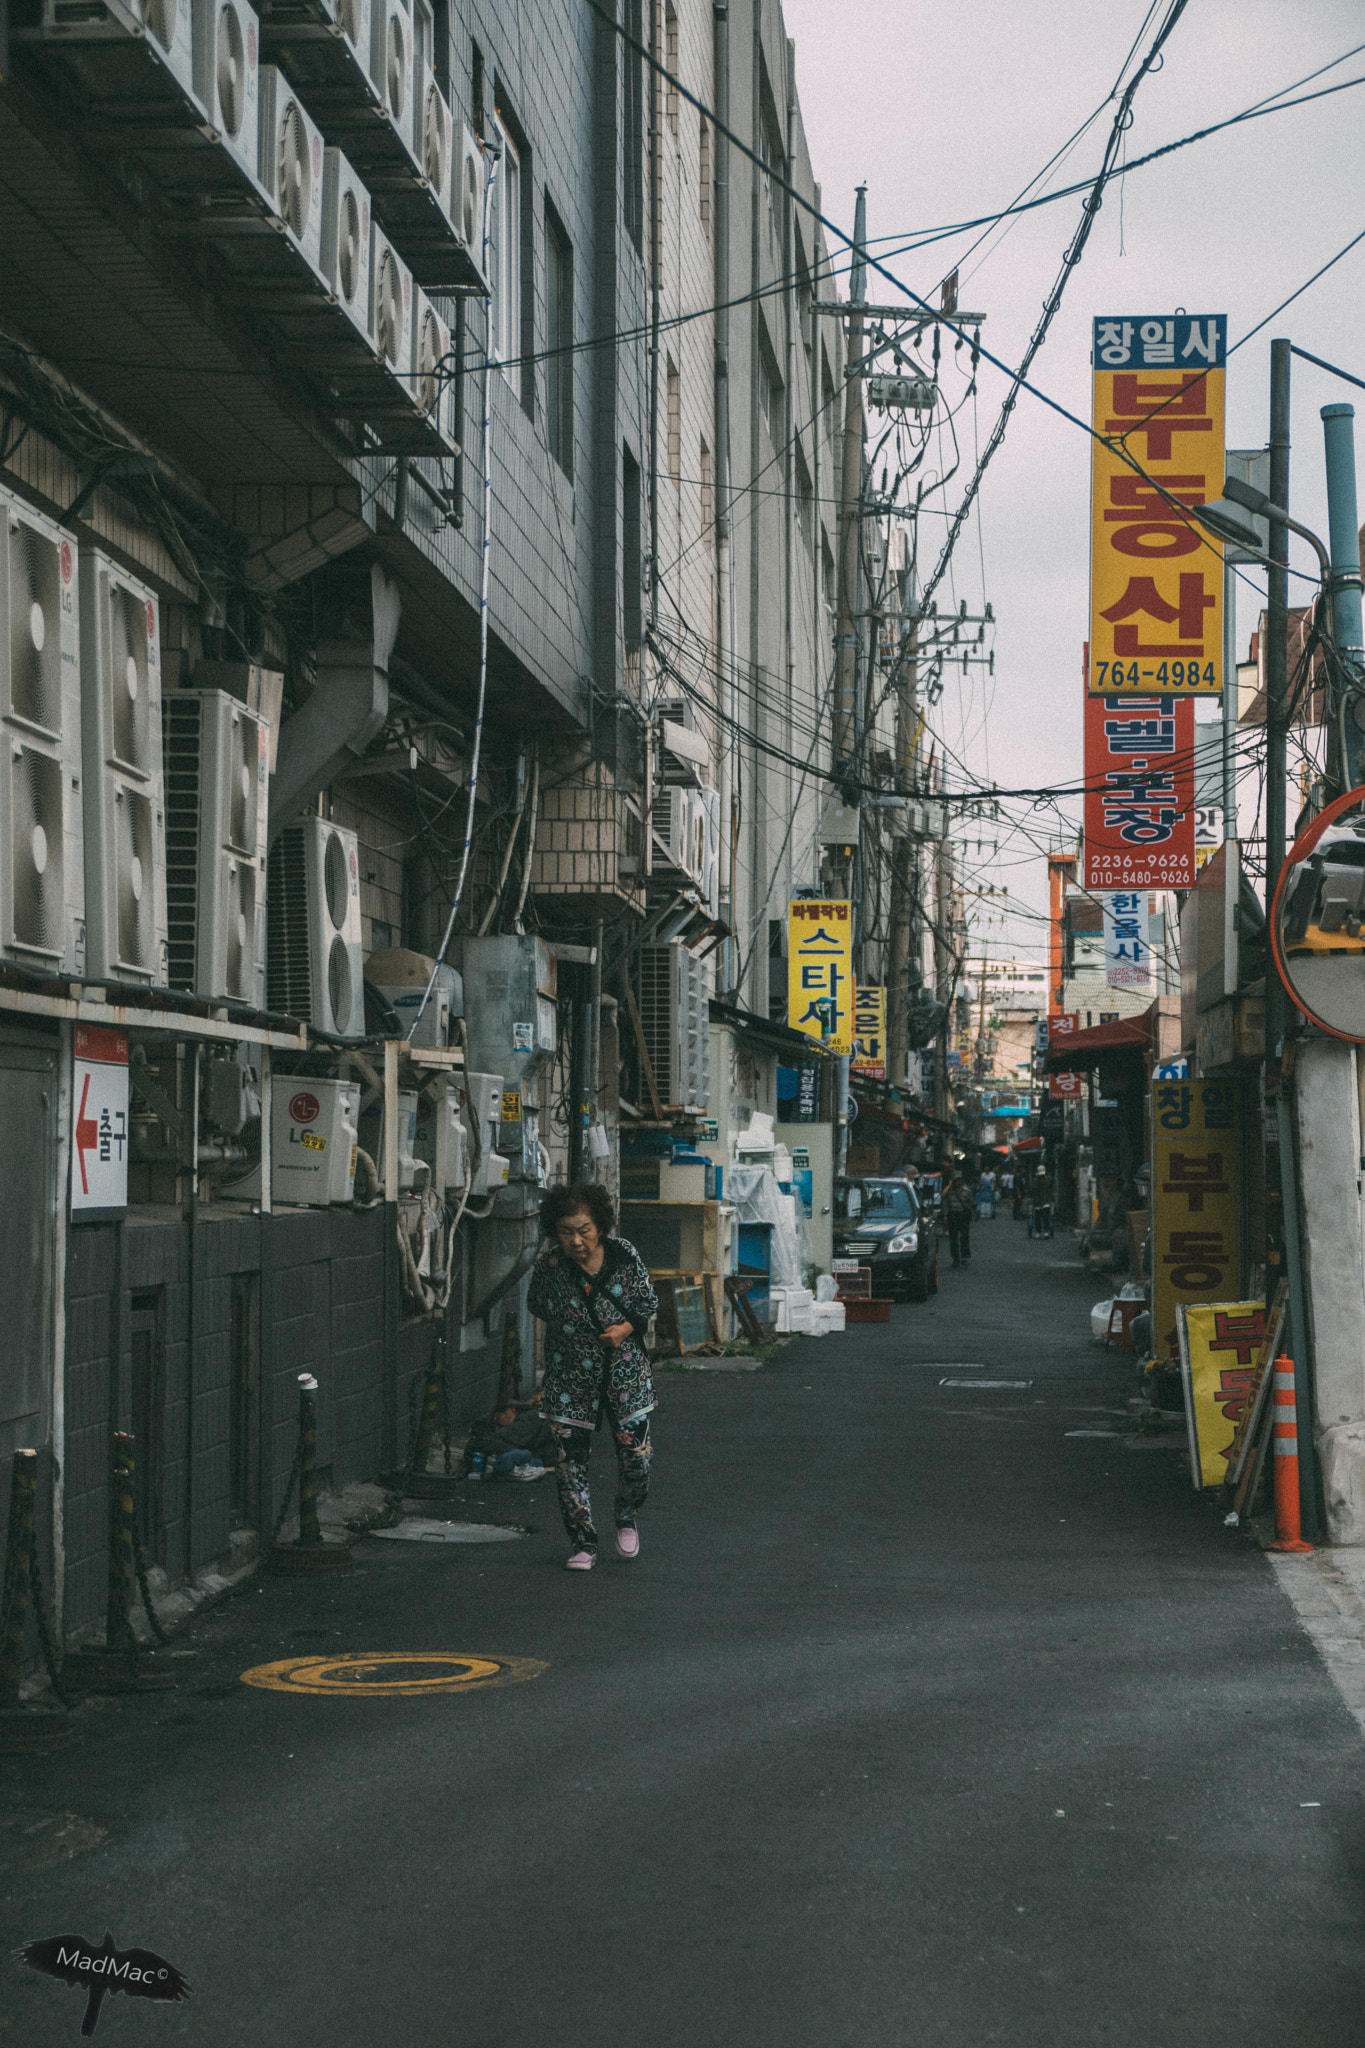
(99,1123)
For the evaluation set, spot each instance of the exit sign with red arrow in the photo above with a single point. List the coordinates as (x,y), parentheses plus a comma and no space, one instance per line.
(99,1124)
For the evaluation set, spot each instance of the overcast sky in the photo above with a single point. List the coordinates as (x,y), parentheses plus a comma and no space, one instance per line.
(945,111)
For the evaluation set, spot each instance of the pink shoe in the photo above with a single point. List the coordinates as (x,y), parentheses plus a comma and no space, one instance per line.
(628,1541)
(580,1561)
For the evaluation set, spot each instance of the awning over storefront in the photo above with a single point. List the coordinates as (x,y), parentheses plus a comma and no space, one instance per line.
(1085,1048)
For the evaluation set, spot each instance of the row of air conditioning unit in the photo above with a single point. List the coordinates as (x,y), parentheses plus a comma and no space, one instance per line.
(187,89)
(446,1138)
(132,828)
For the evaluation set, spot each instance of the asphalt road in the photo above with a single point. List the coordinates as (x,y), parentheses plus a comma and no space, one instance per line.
(917,1720)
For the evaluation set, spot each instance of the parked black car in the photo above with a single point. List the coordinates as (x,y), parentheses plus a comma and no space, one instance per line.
(879,1223)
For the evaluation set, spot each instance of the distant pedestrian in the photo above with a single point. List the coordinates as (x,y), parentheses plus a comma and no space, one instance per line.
(1040,1219)
(957,1214)
(592,1292)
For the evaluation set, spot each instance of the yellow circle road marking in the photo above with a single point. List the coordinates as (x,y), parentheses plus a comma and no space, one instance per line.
(368,1677)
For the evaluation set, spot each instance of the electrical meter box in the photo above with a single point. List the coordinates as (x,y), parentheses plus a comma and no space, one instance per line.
(511,1027)
(483,1107)
(313,1141)
(442,1139)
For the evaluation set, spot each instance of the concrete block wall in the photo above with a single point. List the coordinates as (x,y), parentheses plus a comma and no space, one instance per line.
(328,1304)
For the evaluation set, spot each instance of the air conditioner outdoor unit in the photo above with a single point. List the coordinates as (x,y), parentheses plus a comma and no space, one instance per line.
(442,1138)
(355,20)
(709,878)
(679,824)
(313,958)
(390,304)
(124,812)
(433,368)
(216,756)
(291,165)
(434,133)
(227,77)
(676,1018)
(142,52)
(42,881)
(345,246)
(391,68)
(483,1112)
(467,198)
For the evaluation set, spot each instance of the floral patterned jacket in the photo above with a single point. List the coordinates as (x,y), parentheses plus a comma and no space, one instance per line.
(582,1374)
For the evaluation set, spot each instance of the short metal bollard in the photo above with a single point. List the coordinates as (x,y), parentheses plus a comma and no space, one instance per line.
(416,1480)
(25,1728)
(312,1552)
(119,1664)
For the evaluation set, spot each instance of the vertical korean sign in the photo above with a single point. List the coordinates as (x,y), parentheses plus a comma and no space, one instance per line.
(1127,951)
(1140,812)
(869,1033)
(1194,1201)
(820,971)
(99,1124)
(1156,579)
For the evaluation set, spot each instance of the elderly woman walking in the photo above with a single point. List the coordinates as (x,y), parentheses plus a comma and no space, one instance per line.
(592,1292)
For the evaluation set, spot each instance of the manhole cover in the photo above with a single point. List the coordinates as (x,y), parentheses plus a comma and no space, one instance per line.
(390,1672)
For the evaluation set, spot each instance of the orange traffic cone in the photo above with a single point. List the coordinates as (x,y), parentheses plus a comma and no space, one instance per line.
(1286,1447)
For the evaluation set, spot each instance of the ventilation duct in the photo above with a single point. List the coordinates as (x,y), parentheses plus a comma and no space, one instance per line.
(342,716)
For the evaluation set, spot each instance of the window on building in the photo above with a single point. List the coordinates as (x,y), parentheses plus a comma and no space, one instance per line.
(805,298)
(671,65)
(674,423)
(631,559)
(708,496)
(770,392)
(805,499)
(704,173)
(827,585)
(828,405)
(441,42)
(633,151)
(508,298)
(476,90)
(559,329)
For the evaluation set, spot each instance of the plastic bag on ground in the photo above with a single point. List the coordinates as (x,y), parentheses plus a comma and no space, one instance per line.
(1099,1320)
(826,1287)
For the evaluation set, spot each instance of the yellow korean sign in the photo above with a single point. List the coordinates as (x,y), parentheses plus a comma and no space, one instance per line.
(1195,1206)
(820,971)
(1156,579)
(869,1033)
(1220,1344)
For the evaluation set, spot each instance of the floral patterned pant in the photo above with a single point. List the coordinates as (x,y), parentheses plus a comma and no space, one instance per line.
(633,1452)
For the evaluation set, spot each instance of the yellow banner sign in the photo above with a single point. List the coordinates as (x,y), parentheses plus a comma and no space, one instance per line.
(1220,1344)
(820,971)
(1195,1207)
(869,1033)
(1156,578)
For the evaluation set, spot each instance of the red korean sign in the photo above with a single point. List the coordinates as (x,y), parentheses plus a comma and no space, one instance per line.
(1139,793)
(1064,1087)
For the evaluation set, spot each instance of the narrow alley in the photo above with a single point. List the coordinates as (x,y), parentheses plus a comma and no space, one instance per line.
(937,1708)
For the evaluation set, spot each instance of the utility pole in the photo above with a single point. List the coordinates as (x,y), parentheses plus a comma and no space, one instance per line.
(904,870)
(850,510)
(1338,428)
(943,969)
(1276,664)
